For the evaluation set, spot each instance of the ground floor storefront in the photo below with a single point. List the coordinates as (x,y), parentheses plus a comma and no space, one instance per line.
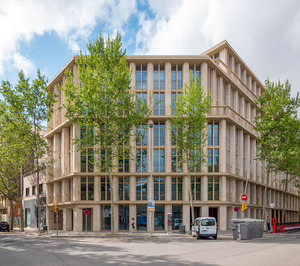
(166,218)
(30,212)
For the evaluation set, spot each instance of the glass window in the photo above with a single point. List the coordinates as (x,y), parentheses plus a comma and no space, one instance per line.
(141,97)
(159,218)
(124,188)
(216,134)
(213,188)
(124,162)
(216,160)
(87,188)
(41,188)
(207,222)
(198,74)
(141,77)
(174,77)
(179,77)
(141,161)
(173,103)
(141,188)
(159,188)
(196,188)
(27,192)
(141,213)
(91,188)
(106,217)
(176,188)
(159,134)
(142,136)
(159,77)
(210,160)
(159,161)
(105,188)
(33,190)
(216,188)
(159,103)
(177,216)
(123,217)
(83,188)
(210,135)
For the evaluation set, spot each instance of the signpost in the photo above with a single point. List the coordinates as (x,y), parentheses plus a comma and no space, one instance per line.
(151,206)
(56,216)
(244,197)
(236,209)
(272,205)
(86,213)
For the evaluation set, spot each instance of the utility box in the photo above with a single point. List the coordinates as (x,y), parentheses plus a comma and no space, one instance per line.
(182,229)
(249,228)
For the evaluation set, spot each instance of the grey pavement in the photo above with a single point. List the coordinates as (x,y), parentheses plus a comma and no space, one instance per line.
(26,249)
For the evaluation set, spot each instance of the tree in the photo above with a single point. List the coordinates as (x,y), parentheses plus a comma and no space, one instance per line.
(35,104)
(15,155)
(288,160)
(276,110)
(189,128)
(103,105)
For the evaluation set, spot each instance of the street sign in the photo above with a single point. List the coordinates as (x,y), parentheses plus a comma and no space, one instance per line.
(272,205)
(236,209)
(244,197)
(151,206)
(86,213)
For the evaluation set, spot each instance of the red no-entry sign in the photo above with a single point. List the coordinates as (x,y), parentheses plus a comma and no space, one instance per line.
(244,197)
(86,213)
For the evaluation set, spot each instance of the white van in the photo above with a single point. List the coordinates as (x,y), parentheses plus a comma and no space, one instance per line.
(206,227)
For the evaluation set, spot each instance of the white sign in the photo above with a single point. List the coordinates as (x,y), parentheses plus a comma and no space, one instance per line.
(272,205)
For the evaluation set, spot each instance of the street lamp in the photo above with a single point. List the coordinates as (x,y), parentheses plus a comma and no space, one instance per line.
(150,171)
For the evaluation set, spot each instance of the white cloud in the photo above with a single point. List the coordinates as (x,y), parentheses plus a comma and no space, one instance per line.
(22,63)
(71,20)
(266,34)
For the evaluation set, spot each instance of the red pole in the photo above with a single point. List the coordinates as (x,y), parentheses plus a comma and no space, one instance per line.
(274,225)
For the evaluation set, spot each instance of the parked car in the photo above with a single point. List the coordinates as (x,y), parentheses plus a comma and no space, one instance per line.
(207,227)
(4,226)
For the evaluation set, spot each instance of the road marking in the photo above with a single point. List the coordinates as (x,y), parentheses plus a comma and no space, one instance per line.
(13,249)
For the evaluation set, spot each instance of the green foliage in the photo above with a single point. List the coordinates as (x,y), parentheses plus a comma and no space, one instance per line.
(15,153)
(102,102)
(278,128)
(276,122)
(34,104)
(190,125)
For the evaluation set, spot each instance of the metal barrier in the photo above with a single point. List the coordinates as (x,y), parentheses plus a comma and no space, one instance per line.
(285,227)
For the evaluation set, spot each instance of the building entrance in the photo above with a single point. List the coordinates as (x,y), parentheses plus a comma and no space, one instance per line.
(159,218)
(213,212)
(141,214)
(123,217)
(89,220)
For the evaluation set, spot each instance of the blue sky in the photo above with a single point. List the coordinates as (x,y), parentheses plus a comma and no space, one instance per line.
(47,34)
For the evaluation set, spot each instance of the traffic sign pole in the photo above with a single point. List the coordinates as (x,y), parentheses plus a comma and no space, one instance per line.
(56,223)
(86,223)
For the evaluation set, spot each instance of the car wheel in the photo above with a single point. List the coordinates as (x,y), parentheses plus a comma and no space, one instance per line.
(215,237)
(8,230)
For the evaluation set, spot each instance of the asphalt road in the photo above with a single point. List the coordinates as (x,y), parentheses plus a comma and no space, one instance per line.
(282,249)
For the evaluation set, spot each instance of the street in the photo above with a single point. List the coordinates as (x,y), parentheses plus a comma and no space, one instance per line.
(280,249)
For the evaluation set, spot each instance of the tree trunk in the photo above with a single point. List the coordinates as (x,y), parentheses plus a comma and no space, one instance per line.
(265,194)
(12,214)
(38,194)
(22,216)
(112,202)
(191,198)
(284,197)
